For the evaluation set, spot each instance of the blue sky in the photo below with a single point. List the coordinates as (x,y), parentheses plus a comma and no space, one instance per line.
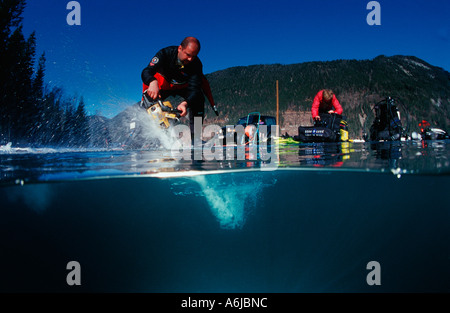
(102,58)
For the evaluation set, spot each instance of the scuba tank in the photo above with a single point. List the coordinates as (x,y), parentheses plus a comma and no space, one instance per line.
(343,130)
(387,124)
(162,112)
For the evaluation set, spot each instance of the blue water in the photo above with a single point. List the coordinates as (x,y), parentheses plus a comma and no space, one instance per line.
(145,221)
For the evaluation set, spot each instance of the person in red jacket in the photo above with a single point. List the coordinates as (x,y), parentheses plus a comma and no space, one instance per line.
(325,102)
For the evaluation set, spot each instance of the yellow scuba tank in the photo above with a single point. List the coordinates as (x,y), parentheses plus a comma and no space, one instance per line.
(343,130)
(344,134)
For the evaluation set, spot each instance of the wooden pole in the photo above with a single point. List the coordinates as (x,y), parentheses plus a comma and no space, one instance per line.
(278,111)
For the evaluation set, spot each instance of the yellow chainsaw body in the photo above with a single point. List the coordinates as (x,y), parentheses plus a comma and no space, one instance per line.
(163,118)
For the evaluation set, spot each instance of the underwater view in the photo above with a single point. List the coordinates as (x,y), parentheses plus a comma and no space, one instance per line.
(313,218)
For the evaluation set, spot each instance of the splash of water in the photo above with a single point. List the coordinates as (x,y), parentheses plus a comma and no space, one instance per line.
(149,130)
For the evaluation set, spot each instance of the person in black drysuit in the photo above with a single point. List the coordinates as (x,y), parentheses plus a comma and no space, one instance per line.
(176,70)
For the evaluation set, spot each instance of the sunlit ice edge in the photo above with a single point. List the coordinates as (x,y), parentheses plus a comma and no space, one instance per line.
(194,173)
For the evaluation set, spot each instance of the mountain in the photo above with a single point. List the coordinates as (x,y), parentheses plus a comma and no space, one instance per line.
(424,90)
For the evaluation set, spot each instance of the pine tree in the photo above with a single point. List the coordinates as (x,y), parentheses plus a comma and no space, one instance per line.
(81,126)
(17,62)
(51,117)
(18,82)
(38,81)
(39,115)
(10,19)
(67,135)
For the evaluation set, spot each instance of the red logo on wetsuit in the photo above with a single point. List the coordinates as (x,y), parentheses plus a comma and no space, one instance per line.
(154,61)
